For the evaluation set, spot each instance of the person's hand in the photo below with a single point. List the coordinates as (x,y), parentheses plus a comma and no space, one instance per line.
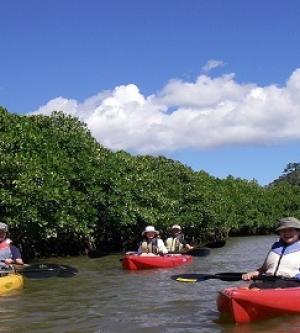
(8,261)
(250,275)
(131,252)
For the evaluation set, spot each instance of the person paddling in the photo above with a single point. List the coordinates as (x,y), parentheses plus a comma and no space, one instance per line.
(151,243)
(9,254)
(176,243)
(283,260)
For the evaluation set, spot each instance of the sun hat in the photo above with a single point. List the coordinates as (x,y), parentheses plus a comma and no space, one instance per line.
(176,226)
(288,222)
(3,227)
(149,228)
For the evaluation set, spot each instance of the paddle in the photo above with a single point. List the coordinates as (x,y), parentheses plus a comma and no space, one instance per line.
(195,252)
(191,278)
(203,250)
(43,271)
(230,276)
(215,244)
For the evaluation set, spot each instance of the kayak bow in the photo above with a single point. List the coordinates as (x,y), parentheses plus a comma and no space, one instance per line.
(245,305)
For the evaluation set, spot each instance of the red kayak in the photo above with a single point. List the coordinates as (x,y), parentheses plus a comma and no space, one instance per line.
(247,305)
(135,262)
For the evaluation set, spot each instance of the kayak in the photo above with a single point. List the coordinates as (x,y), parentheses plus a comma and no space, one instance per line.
(135,262)
(10,283)
(246,305)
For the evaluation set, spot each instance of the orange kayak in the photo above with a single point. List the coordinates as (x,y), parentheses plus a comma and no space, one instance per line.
(246,305)
(135,262)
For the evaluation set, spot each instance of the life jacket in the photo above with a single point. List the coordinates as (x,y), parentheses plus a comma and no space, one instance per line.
(149,246)
(283,260)
(174,244)
(5,252)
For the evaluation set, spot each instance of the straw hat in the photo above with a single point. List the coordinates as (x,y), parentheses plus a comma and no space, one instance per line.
(288,222)
(150,228)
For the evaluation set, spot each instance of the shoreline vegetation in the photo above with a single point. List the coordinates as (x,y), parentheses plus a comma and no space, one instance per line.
(61,192)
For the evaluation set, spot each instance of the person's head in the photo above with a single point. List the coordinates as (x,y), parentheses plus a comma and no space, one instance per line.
(150,232)
(289,229)
(3,231)
(176,230)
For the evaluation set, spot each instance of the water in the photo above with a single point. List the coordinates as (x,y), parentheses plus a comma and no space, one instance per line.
(105,299)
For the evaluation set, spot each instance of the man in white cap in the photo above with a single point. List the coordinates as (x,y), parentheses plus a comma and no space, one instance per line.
(9,254)
(151,243)
(176,243)
(283,259)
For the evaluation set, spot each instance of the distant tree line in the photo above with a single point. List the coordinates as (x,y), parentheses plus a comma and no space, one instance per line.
(290,175)
(61,192)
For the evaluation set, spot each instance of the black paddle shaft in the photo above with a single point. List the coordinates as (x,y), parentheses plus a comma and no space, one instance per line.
(229,276)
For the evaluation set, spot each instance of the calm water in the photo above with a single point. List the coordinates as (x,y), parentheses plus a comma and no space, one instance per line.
(105,299)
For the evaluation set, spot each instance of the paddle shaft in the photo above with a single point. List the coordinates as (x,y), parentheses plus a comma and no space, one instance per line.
(195,252)
(229,276)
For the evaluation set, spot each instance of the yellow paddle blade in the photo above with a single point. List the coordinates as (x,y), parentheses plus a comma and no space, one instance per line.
(180,279)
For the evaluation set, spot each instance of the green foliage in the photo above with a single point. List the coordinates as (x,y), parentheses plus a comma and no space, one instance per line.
(290,175)
(48,165)
(62,192)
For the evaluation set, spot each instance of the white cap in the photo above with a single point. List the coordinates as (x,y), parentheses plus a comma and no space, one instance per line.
(149,228)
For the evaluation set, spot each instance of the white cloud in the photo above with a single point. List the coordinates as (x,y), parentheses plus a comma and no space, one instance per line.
(211,64)
(206,113)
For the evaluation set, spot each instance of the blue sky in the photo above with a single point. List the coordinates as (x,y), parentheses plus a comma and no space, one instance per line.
(214,84)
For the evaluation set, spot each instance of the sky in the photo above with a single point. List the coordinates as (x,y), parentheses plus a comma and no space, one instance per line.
(214,84)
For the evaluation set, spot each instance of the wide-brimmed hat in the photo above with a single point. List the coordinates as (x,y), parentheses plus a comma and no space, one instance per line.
(149,228)
(3,227)
(176,226)
(288,222)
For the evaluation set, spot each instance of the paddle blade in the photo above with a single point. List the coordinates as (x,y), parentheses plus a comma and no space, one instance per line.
(39,271)
(67,271)
(198,252)
(191,278)
(44,271)
(216,244)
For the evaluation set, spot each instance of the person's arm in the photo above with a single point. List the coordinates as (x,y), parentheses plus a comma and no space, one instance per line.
(185,244)
(250,275)
(188,246)
(16,257)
